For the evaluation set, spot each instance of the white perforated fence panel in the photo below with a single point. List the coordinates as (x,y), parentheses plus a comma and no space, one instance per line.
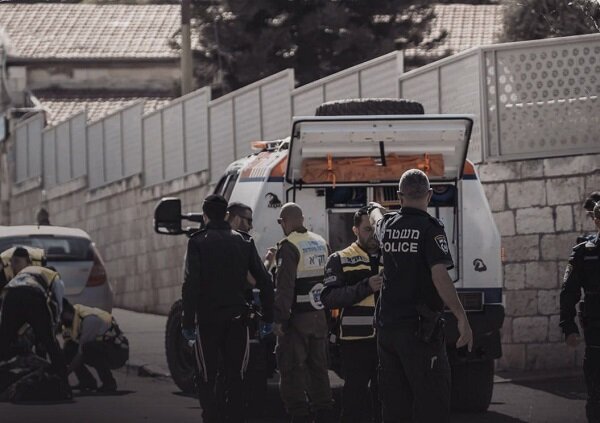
(260,111)
(175,138)
(115,146)
(543,97)
(222,137)
(65,151)
(376,78)
(449,86)
(28,148)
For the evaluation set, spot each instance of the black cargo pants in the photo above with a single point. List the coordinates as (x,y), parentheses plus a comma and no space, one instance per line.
(222,344)
(28,305)
(360,394)
(591,371)
(414,376)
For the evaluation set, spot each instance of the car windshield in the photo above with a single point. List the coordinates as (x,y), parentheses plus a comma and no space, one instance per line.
(57,248)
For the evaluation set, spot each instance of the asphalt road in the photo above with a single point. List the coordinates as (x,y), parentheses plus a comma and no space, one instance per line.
(158,400)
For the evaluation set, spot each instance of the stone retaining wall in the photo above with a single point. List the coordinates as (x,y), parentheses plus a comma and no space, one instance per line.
(536,205)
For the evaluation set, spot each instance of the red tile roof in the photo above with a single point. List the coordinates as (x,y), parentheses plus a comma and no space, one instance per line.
(467,26)
(61,105)
(90,31)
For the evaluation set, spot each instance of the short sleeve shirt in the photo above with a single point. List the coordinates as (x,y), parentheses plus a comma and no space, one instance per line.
(411,243)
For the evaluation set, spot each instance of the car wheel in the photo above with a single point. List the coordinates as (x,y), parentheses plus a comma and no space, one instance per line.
(180,356)
(370,106)
(472,385)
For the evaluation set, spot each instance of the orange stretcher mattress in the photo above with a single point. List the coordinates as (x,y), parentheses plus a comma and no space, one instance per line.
(367,169)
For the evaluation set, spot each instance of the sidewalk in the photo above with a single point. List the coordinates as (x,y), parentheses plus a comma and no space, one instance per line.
(146,334)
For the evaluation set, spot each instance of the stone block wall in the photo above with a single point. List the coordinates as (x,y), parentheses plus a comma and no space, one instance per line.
(144,268)
(537,207)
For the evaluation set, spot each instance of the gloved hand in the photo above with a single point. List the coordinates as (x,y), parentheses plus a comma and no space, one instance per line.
(265,329)
(189,334)
(373,205)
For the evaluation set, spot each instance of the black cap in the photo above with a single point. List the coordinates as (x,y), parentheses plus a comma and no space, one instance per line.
(21,252)
(591,201)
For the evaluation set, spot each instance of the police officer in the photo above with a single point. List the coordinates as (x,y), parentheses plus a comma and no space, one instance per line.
(588,206)
(414,376)
(215,312)
(583,272)
(93,337)
(33,296)
(351,281)
(300,321)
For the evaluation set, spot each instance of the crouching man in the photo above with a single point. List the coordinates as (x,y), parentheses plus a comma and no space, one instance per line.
(93,338)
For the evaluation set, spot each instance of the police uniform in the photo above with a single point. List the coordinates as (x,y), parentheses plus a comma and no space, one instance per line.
(583,272)
(214,296)
(347,274)
(30,298)
(302,350)
(414,375)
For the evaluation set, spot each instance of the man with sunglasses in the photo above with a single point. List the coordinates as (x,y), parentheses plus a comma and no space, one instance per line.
(583,272)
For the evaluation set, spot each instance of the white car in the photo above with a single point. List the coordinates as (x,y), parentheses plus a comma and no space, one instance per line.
(73,254)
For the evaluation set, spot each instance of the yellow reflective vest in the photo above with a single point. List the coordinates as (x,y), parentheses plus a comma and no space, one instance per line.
(310,271)
(81,312)
(37,277)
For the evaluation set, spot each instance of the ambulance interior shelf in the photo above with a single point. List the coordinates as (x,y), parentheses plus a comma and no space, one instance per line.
(355,197)
(367,169)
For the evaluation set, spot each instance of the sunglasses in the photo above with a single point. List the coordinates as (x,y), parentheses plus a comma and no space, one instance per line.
(279,220)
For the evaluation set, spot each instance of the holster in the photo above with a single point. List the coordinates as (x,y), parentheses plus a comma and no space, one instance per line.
(430,323)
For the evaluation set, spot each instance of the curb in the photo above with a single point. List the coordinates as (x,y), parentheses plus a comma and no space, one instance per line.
(536,376)
(146,370)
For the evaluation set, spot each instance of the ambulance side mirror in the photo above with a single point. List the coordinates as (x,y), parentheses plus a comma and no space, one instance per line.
(167,217)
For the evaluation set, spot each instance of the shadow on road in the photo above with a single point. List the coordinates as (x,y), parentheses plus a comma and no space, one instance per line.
(103,394)
(487,417)
(572,388)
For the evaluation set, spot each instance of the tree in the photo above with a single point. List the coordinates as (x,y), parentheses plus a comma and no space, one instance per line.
(242,41)
(536,19)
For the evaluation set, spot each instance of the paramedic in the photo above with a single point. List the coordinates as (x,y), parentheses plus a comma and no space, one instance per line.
(300,321)
(414,375)
(582,273)
(33,296)
(352,282)
(215,310)
(92,337)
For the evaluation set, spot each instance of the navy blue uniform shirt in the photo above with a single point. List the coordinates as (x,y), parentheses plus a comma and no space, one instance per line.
(411,242)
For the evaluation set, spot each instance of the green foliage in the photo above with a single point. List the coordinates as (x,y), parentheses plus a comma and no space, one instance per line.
(536,19)
(245,40)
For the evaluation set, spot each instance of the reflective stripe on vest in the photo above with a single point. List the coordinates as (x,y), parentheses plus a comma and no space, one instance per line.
(310,271)
(356,322)
(81,312)
(37,277)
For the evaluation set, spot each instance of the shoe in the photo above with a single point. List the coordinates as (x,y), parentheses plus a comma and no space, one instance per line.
(107,388)
(84,387)
(301,419)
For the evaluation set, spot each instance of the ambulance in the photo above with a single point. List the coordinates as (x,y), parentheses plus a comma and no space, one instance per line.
(354,152)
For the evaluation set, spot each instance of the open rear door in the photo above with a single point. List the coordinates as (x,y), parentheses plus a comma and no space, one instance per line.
(376,149)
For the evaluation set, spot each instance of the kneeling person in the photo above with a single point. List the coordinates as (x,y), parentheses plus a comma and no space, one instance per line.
(93,338)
